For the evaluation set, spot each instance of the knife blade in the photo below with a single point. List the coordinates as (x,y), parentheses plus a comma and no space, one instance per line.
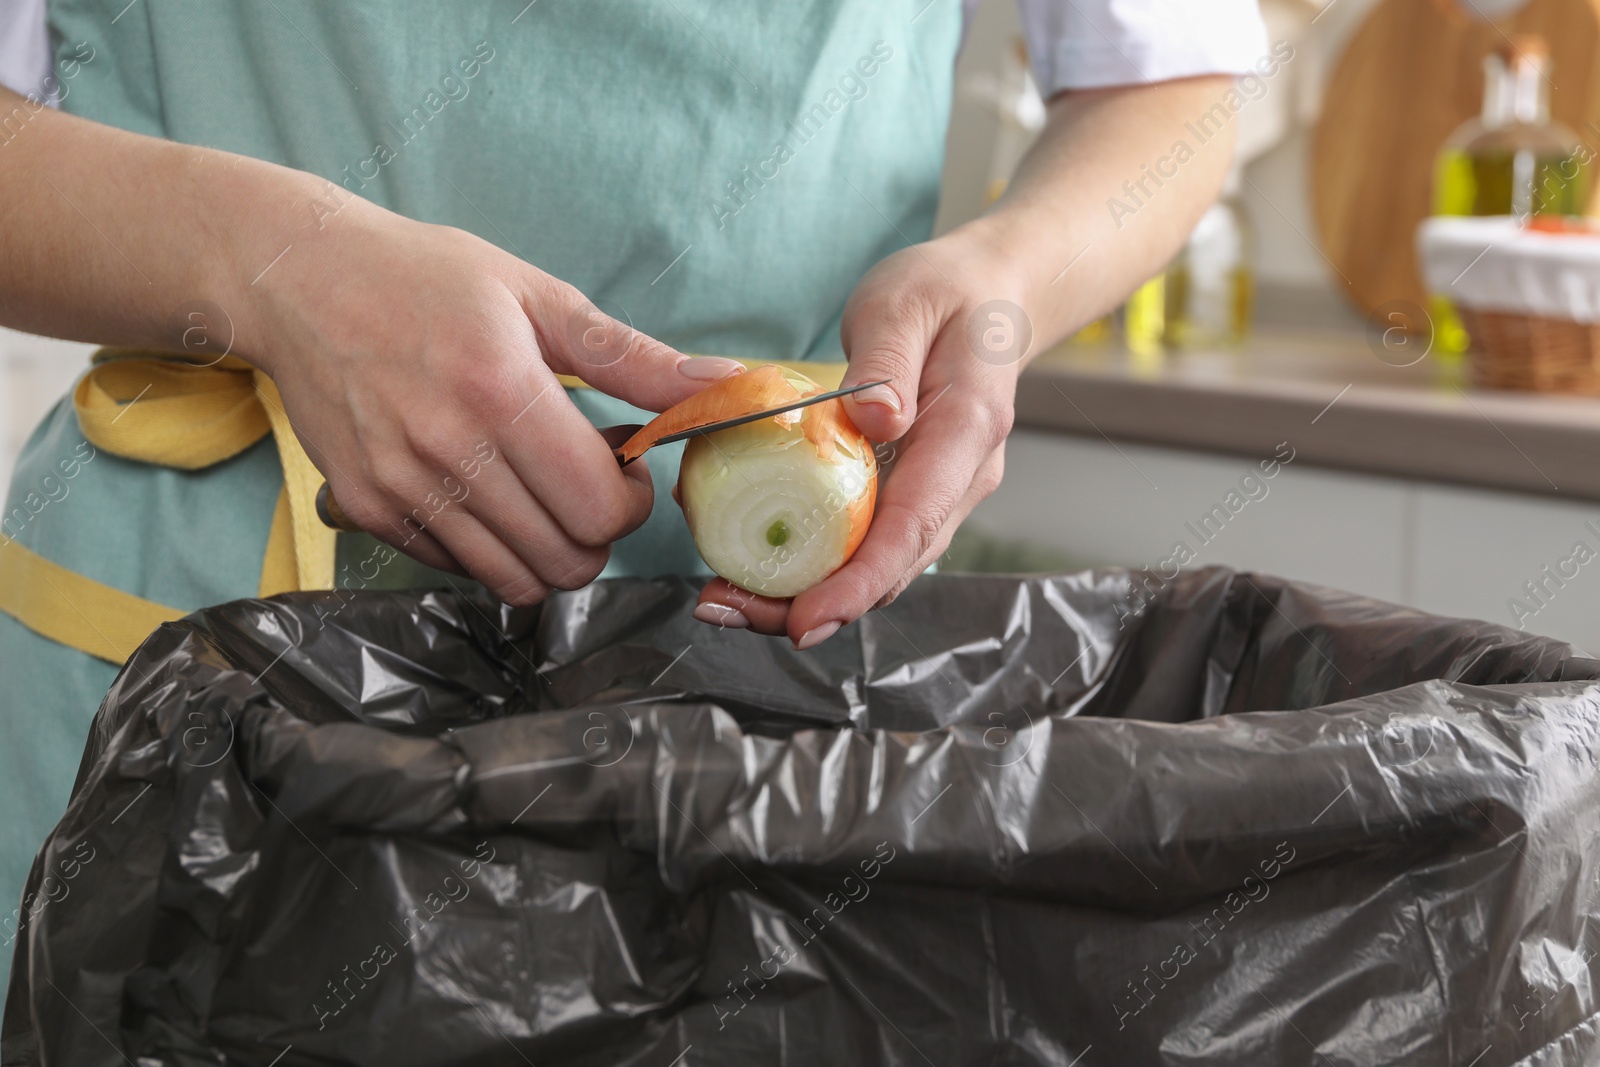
(741,420)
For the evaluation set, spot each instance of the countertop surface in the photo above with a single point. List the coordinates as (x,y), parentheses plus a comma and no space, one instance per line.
(1339,399)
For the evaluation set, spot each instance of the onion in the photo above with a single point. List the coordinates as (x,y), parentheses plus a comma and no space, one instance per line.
(775,506)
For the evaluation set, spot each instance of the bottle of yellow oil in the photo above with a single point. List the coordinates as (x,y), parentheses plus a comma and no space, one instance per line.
(1512,159)
(1204,298)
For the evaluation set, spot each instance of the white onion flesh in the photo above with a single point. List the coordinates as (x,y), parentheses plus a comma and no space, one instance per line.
(767,512)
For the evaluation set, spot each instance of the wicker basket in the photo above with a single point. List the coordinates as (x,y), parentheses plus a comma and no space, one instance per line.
(1531,352)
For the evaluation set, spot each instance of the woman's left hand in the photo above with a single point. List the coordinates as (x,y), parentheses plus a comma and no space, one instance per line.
(943,322)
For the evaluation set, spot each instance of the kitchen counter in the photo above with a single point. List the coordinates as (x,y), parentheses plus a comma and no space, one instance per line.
(1332,399)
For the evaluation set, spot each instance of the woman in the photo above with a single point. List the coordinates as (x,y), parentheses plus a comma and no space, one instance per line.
(392,226)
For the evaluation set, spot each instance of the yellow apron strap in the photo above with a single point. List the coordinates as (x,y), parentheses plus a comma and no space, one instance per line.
(140,405)
(79,612)
(279,571)
(158,408)
(313,543)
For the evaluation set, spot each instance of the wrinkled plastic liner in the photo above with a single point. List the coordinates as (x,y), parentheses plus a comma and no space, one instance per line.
(1098,819)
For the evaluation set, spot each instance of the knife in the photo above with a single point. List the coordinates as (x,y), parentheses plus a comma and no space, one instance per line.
(331,514)
(728,424)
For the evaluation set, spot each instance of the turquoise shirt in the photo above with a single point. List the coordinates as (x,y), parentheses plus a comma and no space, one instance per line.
(718,176)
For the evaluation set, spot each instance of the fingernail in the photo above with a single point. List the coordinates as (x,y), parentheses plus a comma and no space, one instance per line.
(814,637)
(709,368)
(722,615)
(880,394)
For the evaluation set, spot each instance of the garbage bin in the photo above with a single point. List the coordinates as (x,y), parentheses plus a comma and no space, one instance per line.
(1111,818)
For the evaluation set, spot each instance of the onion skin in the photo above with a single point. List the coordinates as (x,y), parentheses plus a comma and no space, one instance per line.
(775,506)
(740,394)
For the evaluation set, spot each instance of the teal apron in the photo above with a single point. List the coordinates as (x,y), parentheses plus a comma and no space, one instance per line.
(719,176)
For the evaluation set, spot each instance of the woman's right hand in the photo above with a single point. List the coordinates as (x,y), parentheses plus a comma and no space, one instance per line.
(402,350)
(418,363)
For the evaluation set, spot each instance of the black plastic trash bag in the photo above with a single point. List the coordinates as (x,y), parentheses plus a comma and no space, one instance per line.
(1102,819)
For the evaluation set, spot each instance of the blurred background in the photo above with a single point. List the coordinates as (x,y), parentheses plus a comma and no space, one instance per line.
(1449,473)
(1395,307)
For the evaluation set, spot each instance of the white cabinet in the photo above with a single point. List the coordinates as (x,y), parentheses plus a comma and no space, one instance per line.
(1440,548)
(1511,559)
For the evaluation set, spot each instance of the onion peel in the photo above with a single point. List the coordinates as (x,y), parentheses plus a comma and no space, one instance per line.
(737,395)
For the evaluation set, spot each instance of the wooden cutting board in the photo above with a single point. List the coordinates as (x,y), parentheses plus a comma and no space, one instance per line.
(1409,76)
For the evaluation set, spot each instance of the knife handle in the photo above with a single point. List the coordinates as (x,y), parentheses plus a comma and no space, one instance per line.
(331,514)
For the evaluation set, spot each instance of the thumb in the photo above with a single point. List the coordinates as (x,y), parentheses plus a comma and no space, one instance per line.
(891,349)
(613,357)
